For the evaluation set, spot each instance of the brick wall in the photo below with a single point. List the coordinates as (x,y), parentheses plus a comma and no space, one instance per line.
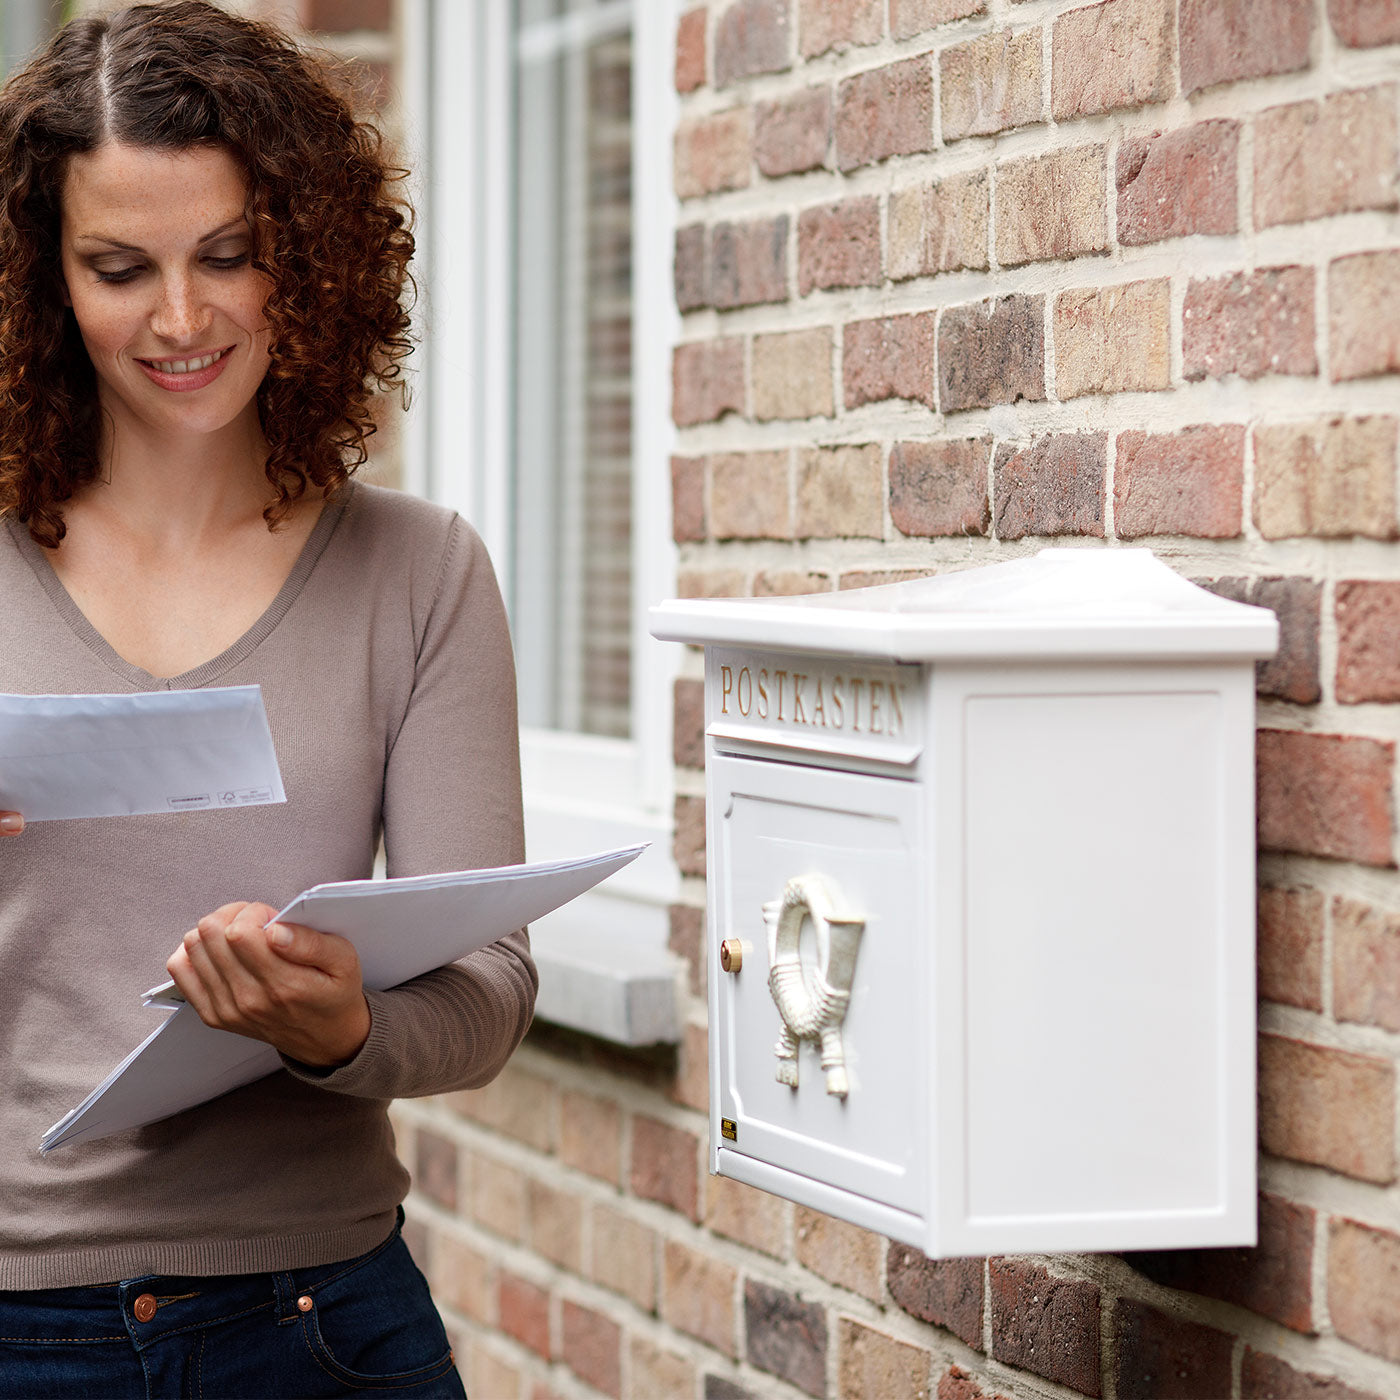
(961,278)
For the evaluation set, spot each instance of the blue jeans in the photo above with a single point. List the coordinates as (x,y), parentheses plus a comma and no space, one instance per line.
(364,1327)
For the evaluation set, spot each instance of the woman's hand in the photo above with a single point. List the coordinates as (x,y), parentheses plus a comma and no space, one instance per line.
(295,988)
(11,823)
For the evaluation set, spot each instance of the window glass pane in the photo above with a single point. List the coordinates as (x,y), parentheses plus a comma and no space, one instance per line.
(572,578)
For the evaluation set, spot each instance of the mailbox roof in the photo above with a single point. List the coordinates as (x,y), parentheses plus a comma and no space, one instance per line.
(1093,603)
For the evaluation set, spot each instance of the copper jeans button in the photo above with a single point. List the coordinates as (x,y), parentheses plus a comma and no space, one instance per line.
(144,1307)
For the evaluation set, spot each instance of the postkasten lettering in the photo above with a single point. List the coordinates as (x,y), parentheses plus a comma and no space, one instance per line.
(862,704)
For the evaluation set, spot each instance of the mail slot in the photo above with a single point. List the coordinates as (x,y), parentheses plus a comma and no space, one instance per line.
(981,903)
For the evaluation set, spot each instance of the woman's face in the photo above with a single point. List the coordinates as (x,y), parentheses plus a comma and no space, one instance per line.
(156,260)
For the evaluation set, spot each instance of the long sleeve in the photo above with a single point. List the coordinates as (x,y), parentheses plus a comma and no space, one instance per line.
(451,802)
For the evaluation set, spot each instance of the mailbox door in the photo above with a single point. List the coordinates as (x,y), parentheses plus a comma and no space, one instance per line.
(841,844)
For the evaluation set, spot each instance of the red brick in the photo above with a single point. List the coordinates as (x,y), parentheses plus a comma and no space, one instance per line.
(945,1292)
(1363,301)
(1118,54)
(747,1215)
(912,17)
(991,352)
(823,25)
(690,50)
(749,496)
(990,84)
(592,1347)
(1167,1358)
(1052,206)
(748,263)
(1329,478)
(1053,487)
(463,1279)
(590,1128)
(665,1165)
(840,492)
(841,1253)
(1363,24)
(689,841)
(939,227)
(1185,483)
(752,36)
(789,583)
(1312,159)
(436,1172)
(1290,947)
(1045,1324)
(1113,340)
(711,583)
(1366,963)
(787,1337)
(889,358)
(876,1366)
(792,374)
(1363,1286)
(1330,1107)
(556,1224)
(658,1374)
(713,153)
(707,380)
(516,1103)
(877,578)
(885,112)
(957,1384)
(624,1256)
(490,1375)
(524,1312)
(793,133)
(1223,40)
(1293,674)
(720,1388)
(1180,183)
(1368,623)
(690,268)
(687,940)
(345,16)
(838,245)
(688,727)
(687,498)
(1274,1278)
(1326,795)
(698,1296)
(691,1086)
(1265,1377)
(498,1197)
(1250,324)
(940,488)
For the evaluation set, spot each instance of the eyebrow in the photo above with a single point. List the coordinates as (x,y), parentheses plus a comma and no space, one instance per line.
(223,228)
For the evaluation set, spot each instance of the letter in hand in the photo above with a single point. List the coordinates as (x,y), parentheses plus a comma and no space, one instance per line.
(294,987)
(11,823)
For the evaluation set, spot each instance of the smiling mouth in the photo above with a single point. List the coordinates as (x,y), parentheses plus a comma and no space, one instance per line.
(188,366)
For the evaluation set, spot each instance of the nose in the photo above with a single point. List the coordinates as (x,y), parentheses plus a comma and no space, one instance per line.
(181,315)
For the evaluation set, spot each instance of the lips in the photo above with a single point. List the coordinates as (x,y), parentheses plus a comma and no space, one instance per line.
(194,372)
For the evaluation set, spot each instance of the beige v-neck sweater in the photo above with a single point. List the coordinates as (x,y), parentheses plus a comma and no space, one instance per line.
(386,671)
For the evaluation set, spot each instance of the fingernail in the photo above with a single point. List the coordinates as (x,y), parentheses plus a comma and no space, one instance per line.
(11,822)
(281,936)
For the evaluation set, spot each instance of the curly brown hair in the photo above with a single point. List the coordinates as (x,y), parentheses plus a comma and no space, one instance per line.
(330,231)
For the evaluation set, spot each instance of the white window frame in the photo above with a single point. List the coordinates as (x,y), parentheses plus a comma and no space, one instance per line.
(583,793)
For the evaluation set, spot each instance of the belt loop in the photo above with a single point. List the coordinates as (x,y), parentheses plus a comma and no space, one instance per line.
(284,1295)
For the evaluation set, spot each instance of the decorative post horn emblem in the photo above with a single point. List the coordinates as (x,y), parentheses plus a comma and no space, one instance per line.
(811,1000)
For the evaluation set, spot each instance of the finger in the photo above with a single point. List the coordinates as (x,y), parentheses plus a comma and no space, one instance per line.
(310,947)
(11,823)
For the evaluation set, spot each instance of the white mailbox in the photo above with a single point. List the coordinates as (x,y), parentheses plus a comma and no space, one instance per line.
(981,903)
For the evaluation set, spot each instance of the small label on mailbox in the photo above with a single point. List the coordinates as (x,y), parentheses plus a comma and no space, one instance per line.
(729,1129)
(824,704)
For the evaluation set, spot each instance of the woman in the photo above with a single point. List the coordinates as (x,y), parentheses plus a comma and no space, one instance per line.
(202,264)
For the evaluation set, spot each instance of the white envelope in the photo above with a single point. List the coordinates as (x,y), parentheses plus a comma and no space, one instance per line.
(124,755)
(400,928)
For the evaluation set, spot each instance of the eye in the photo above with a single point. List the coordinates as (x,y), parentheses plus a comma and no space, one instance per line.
(116,275)
(226,262)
